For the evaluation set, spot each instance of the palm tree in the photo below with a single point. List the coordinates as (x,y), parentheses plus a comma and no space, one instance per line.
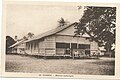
(30,35)
(62,22)
(25,38)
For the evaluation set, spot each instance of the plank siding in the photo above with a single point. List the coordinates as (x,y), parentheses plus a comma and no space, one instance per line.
(60,51)
(94,47)
(70,32)
(70,39)
(46,46)
(50,45)
(41,50)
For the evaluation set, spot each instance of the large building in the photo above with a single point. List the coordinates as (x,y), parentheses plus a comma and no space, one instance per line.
(61,42)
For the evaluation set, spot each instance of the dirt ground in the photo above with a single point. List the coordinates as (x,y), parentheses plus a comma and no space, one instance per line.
(19,63)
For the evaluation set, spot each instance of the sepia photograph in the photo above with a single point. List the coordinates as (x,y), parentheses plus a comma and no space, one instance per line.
(57,38)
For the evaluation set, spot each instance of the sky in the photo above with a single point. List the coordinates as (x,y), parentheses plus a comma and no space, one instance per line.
(38,18)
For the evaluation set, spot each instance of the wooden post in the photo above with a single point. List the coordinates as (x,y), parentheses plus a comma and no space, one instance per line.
(70,50)
(38,46)
(77,45)
(73,56)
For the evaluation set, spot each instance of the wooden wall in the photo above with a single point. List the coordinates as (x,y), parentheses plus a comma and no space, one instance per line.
(41,50)
(50,47)
(70,39)
(79,40)
(47,46)
(94,47)
(44,46)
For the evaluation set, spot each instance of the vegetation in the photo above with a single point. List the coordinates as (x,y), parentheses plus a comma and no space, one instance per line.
(9,41)
(28,36)
(100,24)
(62,22)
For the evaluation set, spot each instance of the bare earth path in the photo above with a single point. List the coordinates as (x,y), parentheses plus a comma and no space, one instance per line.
(18,63)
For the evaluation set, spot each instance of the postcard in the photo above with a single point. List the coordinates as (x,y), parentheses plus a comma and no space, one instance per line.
(61,40)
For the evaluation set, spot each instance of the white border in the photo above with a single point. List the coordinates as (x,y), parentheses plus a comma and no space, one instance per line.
(98,1)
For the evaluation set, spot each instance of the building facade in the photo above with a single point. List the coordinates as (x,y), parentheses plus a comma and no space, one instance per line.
(61,42)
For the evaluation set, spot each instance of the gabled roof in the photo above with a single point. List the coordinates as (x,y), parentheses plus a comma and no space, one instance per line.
(51,32)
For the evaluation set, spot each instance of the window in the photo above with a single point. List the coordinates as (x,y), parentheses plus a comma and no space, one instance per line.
(74,45)
(67,45)
(62,45)
(84,46)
